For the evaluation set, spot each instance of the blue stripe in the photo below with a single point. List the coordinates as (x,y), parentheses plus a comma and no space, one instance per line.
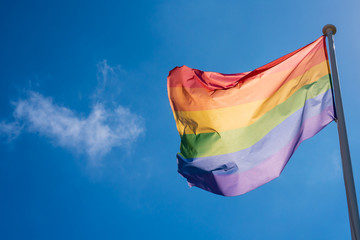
(275,140)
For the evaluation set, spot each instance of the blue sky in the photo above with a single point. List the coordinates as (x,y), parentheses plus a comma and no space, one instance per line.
(88,140)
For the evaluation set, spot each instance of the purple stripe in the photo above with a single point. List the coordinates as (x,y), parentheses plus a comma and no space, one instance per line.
(246,159)
(238,183)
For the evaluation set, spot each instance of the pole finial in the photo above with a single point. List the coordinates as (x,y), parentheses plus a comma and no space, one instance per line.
(329,27)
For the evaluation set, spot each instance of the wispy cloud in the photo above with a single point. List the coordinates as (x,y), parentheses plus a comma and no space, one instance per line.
(109,84)
(10,130)
(103,129)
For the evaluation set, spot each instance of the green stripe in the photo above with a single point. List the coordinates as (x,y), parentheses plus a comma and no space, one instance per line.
(216,143)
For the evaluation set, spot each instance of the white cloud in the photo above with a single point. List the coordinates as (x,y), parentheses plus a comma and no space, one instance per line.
(10,130)
(96,134)
(108,87)
(103,129)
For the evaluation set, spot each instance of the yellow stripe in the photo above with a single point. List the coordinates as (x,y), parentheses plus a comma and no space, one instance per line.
(223,119)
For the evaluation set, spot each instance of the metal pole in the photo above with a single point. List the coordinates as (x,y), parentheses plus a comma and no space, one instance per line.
(329,30)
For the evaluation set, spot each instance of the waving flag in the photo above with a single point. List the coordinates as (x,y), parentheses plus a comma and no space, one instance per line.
(238,131)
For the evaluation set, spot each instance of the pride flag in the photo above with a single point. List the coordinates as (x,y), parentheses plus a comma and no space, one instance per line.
(238,131)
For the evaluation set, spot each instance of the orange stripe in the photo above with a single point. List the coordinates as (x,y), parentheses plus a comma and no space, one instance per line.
(243,115)
(252,89)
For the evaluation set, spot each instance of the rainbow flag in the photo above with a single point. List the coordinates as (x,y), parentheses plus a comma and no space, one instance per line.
(238,131)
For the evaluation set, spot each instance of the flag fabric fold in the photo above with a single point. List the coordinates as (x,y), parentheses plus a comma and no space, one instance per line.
(238,131)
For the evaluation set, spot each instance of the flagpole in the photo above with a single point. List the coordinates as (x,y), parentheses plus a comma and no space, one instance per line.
(329,30)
